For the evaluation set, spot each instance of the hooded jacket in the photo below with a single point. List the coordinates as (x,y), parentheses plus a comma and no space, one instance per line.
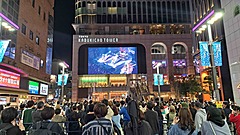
(200,116)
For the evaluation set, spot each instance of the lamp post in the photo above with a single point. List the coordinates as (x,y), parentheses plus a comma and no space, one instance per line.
(210,19)
(64,66)
(158,75)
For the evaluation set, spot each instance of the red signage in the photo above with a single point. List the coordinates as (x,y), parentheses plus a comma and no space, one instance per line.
(9,79)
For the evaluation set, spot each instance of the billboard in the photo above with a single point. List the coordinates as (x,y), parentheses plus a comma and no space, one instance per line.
(9,79)
(60,79)
(179,63)
(3,48)
(204,53)
(43,89)
(30,60)
(33,87)
(217,53)
(158,78)
(112,60)
(156,62)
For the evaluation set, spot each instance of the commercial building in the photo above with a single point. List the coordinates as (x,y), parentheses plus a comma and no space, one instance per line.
(203,15)
(26,65)
(232,34)
(118,45)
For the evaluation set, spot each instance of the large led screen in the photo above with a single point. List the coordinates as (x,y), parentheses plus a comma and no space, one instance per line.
(33,87)
(112,60)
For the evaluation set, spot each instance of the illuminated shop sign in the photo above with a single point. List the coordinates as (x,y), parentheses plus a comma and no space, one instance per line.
(158,78)
(9,79)
(30,60)
(33,87)
(86,39)
(43,89)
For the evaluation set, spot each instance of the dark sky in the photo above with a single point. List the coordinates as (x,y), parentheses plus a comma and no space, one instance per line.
(63,30)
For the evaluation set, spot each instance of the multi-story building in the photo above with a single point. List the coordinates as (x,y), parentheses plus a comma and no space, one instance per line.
(232,34)
(26,66)
(118,45)
(203,13)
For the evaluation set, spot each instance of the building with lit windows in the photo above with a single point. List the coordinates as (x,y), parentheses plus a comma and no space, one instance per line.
(118,45)
(25,67)
(203,11)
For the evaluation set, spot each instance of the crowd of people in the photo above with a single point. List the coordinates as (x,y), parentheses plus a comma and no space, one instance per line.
(125,117)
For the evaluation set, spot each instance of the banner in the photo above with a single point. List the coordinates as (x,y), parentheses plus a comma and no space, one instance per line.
(30,60)
(60,79)
(9,79)
(3,48)
(204,53)
(158,78)
(216,46)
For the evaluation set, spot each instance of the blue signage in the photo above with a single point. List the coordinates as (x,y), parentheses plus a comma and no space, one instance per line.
(33,87)
(158,78)
(217,53)
(49,60)
(3,48)
(60,79)
(204,53)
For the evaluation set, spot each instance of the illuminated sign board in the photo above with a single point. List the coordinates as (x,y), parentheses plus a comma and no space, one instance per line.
(30,60)
(86,39)
(33,87)
(43,89)
(3,48)
(60,79)
(9,79)
(158,78)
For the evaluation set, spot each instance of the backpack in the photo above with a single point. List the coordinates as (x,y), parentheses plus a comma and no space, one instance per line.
(4,130)
(42,131)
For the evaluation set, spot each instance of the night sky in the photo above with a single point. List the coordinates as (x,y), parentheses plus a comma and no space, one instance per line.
(63,30)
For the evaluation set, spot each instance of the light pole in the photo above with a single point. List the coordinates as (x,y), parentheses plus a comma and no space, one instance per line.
(158,75)
(64,66)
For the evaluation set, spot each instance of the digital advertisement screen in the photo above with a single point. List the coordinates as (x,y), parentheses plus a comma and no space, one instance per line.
(197,63)
(3,48)
(43,89)
(112,60)
(158,78)
(9,79)
(179,63)
(163,63)
(60,79)
(33,87)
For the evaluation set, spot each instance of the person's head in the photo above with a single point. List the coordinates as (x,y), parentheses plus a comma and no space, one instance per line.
(141,115)
(115,110)
(185,119)
(214,115)
(100,110)
(172,109)
(30,104)
(22,106)
(226,104)
(117,104)
(150,105)
(58,102)
(74,108)
(90,107)
(40,105)
(198,105)
(80,107)
(9,114)
(122,102)
(105,101)
(57,111)
(47,113)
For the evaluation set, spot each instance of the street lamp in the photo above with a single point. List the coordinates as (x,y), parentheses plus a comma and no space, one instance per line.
(210,19)
(64,65)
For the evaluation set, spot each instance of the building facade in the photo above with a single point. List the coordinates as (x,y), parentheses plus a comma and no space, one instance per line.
(203,11)
(232,34)
(29,52)
(119,45)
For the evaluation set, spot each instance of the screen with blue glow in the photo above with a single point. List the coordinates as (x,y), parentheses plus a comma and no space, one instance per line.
(3,48)
(33,87)
(112,60)
(60,79)
(158,77)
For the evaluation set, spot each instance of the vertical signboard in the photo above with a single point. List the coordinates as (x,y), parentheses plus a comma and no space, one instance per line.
(158,78)
(3,48)
(204,53)
(217,53)
(60,79)
(43,89)
(49,60)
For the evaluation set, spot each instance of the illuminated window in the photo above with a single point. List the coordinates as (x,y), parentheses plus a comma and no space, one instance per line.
(112,10)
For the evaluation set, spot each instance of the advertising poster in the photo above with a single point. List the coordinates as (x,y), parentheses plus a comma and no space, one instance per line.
(158,78)
(217,53)
(60,79)
(33,87)
(3,48)
(30,60)
(204,53)
(155,63)
(9,79)
(43,89)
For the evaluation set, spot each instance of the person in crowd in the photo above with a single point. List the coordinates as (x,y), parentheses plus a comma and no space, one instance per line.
(36,114)
(143,107)
(1,109)
(9,124)
(160,119)
(101,125)
(74,127)
(124,112)
(183,123)
(200,116)
(116,119)
(171,115)
(144,127)
(58,117)
(227,111)
(27,115)
(81,113)
(152,118)
(110,111)
(214,125)
(90,115)
(235,118)
(193,110)
(58,105)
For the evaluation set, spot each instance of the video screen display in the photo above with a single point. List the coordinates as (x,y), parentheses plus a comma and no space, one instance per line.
(179,63)
(158,78)
(112,60)
(163,63)
(197,63)
(33,87)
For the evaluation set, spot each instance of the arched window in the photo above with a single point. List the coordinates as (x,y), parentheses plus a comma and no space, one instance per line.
(178,49)
(158,49)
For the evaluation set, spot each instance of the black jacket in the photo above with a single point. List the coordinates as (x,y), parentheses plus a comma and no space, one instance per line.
(14,130)
(152,118)
(36,116)
(55,128)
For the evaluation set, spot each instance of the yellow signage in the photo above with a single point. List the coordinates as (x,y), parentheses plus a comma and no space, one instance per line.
(219,104)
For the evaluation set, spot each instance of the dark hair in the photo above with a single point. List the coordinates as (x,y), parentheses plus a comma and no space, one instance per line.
(74,108)
(58,102)
(40,105)
(141,115)
(30,103)
(47,113)
(115,110)
(57,111)
(1,108)
(22,106)
(150,105)
(80,106)
(100,110)
(9,114)
(185,119)
(105,101)
(117,104)
(122,102)
(90,107)
(198,105)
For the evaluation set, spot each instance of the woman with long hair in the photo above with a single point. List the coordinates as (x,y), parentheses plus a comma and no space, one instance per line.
(183,124)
